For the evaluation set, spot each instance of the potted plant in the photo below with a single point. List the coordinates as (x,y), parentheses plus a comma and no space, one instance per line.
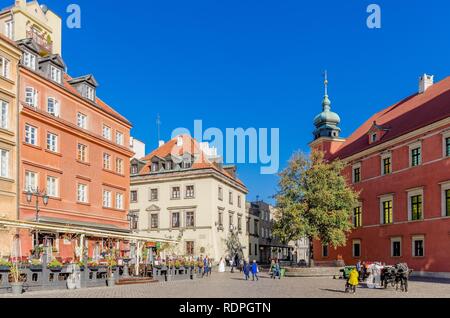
(55,265)
(177,264)
(93,266)
(5,265)
(35,265)
(17,282)
(81,265)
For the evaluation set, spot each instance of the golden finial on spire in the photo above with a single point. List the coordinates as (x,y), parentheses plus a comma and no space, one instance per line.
(325,75)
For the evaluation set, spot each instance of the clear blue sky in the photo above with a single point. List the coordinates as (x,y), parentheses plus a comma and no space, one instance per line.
(254,63)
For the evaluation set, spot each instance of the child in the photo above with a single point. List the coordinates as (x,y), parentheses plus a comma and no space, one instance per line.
(353,281)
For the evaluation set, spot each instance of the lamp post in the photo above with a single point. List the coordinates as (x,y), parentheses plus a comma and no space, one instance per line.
(38,194)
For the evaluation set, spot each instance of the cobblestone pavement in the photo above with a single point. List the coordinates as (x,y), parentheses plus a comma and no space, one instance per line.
(233,286)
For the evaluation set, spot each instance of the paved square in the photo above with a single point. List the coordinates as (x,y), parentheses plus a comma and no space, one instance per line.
(233,286)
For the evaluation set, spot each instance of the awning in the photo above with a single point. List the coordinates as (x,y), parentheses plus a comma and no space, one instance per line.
(90,225)
(42,226)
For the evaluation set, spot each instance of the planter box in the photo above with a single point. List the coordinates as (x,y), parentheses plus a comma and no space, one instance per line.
(4,268)
(93,268)
(55,269)
(36,268)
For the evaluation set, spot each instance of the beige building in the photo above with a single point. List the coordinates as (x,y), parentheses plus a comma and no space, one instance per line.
(9,59)
(179,192)
(24,20)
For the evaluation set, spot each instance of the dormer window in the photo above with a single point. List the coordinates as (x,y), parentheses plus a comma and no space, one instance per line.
(29,60)
(90,94)
(55,74)
(155,167)
(373,137)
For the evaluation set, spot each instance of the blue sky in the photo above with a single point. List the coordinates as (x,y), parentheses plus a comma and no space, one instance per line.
(253,63)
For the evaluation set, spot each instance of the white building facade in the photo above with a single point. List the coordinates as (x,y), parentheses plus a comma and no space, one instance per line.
(178,193)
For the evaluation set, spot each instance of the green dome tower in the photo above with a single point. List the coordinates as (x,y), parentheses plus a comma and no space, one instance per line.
(327,122)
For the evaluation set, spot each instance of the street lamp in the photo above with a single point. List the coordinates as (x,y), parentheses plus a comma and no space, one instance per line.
(38,194)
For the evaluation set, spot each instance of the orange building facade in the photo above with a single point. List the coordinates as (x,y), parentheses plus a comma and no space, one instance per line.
(399,161)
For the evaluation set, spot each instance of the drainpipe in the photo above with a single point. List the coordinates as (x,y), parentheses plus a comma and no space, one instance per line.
(18,143)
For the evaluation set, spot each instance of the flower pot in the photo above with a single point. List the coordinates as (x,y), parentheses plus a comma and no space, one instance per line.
(35,268)
(4,268)
(17,288)
(93,268)
(55,269)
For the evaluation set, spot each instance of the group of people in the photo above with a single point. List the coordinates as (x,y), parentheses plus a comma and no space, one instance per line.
(207,265)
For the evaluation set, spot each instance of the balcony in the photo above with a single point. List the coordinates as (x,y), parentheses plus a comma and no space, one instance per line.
(44,44)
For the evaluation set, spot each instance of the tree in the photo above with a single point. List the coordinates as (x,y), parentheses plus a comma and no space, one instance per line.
(314,201)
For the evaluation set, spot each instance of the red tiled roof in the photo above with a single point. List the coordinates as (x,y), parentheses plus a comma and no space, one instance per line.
(410,114)
(191,146)
(99,102)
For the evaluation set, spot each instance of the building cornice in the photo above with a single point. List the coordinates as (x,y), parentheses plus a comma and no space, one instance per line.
(184,175)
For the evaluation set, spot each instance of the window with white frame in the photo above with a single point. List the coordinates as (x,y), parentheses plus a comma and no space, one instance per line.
(90,93)
(386,164)
(418,246)
(82,193)
(396,247)
(82,120)
(9,29)
(29,60)
(53,106)
(445,199)
(153,194)
(119,166)
(55,74)
(52,142)
(52,187)
(106,161)
(82,153)
(4,163)
(106,132)
(415,205)
(31,97)
(31,181)
(190,220)
(5,66)
(134,196)
(356,248)
(119,138)
(190,193)
(387,209)
(31,135)
(415,154)
(356,173)
(107,199)
(446,143)
(154,221)
(4,114)
(175,193)
(119,201)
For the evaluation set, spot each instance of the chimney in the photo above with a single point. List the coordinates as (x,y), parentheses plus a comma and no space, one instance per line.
(161,143)
(425,82)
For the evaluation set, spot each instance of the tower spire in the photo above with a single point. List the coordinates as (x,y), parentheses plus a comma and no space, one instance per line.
(325,75)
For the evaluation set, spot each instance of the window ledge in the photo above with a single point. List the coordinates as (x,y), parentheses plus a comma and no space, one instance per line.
(83,203)
(7,131)
(53,153)
(7,179)
(31,145)
(83,163)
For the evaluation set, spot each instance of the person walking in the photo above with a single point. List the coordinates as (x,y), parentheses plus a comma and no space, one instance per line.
(255,270)
(358,268)
(277,270)
(246,270)
(210,265)
(221,265)
(353,281)
(205,266)
(272,268)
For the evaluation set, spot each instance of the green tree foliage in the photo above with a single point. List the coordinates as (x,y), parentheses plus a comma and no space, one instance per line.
(314,201)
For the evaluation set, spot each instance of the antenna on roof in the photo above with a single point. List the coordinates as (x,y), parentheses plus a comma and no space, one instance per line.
(158,125)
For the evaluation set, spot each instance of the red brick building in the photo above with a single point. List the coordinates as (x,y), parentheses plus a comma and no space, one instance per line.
(399,160)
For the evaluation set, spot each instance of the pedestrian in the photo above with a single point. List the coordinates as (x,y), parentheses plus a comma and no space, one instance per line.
(246,270)
(255,270)
(241,265)
(205,266)
(358,268)
(352,281)
(221,265)
(232,264)
(272,268)
(277,270)
(210,265)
